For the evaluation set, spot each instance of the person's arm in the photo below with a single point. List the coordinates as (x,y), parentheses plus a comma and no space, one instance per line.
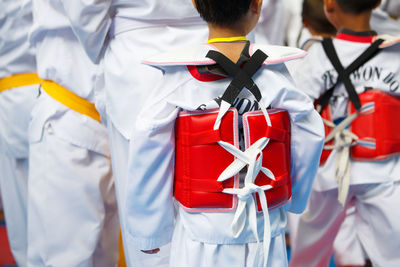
(90,20)
(149,197)
(306,147)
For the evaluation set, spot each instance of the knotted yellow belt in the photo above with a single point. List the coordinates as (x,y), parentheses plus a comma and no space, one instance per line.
(71,100)
(18,80)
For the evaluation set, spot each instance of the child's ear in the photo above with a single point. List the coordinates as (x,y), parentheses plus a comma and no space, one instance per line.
(329,5)
(255,6)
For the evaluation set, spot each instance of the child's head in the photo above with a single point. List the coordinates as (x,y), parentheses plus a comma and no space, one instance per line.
(229,13)
(350,14)
(357,6)
(314,18)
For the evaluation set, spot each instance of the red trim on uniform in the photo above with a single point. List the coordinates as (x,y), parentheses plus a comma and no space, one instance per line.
(203,77)
(355,38)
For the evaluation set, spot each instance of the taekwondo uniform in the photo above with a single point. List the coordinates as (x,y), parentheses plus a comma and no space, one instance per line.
(203,237)
(73,218)
(373,184)
(347,248)
(19,85)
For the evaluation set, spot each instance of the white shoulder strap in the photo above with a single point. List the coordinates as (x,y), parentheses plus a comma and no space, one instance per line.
(278,54)
(389,40)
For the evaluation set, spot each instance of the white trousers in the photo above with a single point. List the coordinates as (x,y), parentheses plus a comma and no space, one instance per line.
(347,248)
(119,154)
(13,185)
(186,252)
(377,225)
(72,213)
(15,113)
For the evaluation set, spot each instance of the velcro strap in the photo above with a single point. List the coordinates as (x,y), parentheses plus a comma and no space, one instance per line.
(241,76)
(276,134)
(202,138)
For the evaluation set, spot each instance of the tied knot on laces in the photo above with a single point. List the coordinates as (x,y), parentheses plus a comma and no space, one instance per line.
(246,192)
(247,206)
(344,139)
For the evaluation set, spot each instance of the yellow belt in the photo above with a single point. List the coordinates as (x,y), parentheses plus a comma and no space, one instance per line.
(18,80)
(71,100)
(121,254)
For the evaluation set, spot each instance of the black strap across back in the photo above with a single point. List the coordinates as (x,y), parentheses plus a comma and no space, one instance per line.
(344,74)
(242,77)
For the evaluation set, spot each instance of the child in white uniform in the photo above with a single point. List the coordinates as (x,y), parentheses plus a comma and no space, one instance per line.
(19,85)
(373,184)
(72,211)
(205,238)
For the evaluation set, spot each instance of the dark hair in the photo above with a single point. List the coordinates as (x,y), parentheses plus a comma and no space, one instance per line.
(222,12)
(313,13)
(357,6)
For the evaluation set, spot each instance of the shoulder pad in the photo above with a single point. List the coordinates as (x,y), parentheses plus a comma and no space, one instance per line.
(389,40)
(196,55)
(278,54)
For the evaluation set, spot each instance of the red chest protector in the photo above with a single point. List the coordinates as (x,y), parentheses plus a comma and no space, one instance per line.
(375,127)
(200,160)
(208,161)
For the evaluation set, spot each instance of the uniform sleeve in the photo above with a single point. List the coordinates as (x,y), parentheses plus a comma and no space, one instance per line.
(393,8)
(307,139)
(149,198)
(269,27)
(90,20)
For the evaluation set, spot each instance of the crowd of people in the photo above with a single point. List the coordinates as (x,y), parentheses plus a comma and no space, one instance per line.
(200,133)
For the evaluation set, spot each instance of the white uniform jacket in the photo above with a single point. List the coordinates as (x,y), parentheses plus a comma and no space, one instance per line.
(270,28)
(61,58)
(149,200)
(314,74)
(386,18)
(15,54)
(16,57)
(92,20)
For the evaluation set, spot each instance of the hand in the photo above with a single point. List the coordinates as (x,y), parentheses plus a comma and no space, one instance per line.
(151,251)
